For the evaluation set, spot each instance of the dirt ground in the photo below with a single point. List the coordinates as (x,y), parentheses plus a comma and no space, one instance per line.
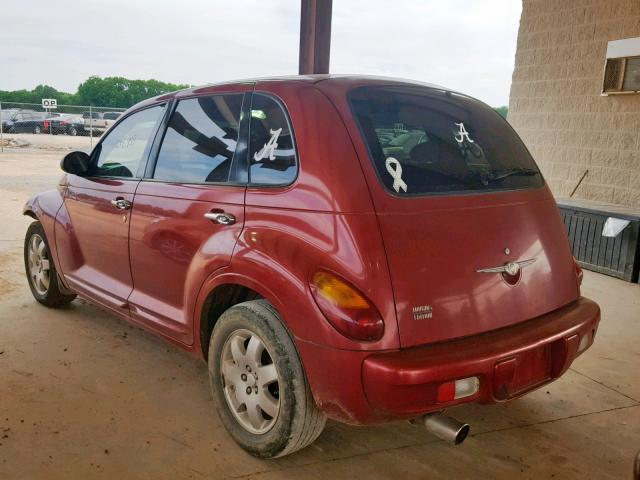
(32,143)
(84,395)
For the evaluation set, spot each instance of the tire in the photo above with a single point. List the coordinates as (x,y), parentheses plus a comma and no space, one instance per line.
(73,131)
(298,422)
(37,260)
(36,129)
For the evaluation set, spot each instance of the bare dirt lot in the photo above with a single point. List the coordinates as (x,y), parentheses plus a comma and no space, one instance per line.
(85,395)
(13,142)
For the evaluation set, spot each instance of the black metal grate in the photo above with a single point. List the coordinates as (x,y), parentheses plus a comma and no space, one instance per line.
(617,256)
(613,73)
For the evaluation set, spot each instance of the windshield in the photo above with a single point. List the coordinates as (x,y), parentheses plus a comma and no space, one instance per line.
(424,140)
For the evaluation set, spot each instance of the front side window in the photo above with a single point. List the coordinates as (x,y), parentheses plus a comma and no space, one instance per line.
(272,154)
(127,146)
(425,140)
(201,140)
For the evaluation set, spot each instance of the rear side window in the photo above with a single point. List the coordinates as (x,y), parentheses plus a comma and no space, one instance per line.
(424,140)
(272,154)
(201,140)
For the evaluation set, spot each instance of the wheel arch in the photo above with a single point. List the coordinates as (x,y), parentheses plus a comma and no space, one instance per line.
(220,293)
(218,300)
(30,213)
(44,207)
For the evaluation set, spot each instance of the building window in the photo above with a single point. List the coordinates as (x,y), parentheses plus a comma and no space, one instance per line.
(622,69)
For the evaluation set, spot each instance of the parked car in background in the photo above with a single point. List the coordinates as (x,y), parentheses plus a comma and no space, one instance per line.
(363,249)
(99,121)
(30,122)
(110,118)
(65,123)
(7,118)
(94,121)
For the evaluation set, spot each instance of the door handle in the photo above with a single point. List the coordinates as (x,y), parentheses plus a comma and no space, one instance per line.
(121,204)
(221,218)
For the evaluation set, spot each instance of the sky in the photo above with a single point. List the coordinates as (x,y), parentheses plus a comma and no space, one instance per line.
(465,45)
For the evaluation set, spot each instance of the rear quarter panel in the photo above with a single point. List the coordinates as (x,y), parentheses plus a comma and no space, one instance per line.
(324,220)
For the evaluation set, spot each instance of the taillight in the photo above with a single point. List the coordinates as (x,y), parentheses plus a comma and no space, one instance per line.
(346,309)
(579,272)
(456,389)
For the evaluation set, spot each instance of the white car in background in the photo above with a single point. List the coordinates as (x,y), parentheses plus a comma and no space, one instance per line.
(99,121)
(110,118)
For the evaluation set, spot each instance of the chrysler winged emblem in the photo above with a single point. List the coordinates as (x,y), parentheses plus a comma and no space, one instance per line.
(510,268)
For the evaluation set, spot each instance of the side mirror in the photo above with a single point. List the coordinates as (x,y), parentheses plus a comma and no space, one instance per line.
(76,163)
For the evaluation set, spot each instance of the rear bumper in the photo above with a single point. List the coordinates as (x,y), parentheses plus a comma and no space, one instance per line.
(508,362)
(366,387)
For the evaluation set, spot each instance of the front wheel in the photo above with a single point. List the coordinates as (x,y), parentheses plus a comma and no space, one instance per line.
(259,386)
(36,129)
(41,272)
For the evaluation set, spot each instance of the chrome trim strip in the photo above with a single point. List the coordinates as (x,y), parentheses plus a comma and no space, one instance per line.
(511,268)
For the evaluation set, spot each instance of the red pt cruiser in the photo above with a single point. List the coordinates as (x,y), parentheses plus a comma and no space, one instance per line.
(363,249)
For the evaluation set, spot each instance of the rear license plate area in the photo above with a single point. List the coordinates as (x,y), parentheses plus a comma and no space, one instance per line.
(522,372)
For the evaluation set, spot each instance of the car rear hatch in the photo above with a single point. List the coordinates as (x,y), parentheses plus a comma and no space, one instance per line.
(459,199)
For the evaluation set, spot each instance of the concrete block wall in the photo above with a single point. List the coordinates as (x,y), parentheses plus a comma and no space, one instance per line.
(555,102)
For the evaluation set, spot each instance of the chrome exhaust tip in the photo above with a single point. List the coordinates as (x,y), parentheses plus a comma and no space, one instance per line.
(446,428)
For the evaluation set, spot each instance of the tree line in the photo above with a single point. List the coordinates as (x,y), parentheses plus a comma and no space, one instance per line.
(502,110)
(118,92)
(115,92)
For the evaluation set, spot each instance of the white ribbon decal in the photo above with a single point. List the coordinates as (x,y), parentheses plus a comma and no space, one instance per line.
(269,148)
(395,170)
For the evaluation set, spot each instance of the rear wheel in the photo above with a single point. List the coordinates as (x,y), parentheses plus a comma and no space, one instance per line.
(73,131)
(258,383)
(41,272)
(36,129)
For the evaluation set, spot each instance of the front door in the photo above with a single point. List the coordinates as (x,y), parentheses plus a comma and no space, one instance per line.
(99,206)
(189,213)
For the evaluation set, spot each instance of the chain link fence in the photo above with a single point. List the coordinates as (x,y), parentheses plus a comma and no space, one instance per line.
(68,127)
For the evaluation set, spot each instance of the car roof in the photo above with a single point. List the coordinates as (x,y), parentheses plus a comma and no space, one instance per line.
(293,80)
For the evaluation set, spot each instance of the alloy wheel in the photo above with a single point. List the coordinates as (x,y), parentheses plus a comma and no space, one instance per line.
(39,264)
(251,382)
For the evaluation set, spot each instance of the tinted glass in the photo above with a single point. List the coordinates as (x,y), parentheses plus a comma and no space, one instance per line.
(200,140)
(271,148)
(121,153)
(424,140)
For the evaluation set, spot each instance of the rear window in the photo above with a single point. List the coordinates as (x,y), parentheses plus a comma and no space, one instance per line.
(426,141)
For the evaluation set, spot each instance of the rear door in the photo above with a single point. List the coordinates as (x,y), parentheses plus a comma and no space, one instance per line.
(99,206)
(189,211)
(463,200)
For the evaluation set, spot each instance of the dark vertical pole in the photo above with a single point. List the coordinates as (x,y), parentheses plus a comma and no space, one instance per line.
(315,36)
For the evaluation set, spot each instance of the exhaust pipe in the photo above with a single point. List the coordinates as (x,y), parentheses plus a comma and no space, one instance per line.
(446,428)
